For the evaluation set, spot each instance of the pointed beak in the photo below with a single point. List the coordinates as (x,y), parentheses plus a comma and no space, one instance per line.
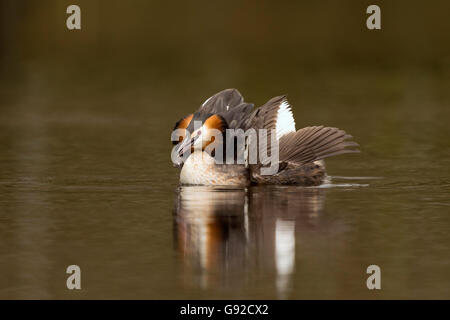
(186,146)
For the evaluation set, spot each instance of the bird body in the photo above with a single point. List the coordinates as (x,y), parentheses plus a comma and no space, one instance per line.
(201,169)
(296,156)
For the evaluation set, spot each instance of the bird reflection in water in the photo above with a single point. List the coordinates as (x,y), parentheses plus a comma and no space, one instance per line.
(230,237)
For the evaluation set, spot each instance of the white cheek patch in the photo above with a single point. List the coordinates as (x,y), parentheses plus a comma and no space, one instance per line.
(285,120)
(198,144)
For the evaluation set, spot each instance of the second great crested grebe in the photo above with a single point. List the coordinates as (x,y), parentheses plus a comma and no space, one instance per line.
(300,152)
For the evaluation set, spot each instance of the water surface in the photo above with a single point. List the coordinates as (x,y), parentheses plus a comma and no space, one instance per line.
(98,190)
(86,177)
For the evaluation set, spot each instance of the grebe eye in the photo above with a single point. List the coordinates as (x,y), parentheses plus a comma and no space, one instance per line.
(199,132)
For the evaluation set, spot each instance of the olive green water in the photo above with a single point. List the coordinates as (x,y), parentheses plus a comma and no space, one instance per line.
(86,176)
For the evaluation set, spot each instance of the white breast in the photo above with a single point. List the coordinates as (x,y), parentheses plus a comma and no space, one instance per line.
(201,169)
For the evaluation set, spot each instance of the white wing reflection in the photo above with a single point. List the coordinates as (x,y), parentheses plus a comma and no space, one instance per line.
(231,237)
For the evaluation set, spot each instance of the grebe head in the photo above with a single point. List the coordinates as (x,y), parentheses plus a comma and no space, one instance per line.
(198,131)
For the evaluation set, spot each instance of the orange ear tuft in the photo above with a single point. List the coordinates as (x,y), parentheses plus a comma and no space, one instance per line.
(183,123)
(215,122)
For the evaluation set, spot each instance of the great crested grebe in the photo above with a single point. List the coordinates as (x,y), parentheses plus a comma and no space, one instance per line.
(299,154)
